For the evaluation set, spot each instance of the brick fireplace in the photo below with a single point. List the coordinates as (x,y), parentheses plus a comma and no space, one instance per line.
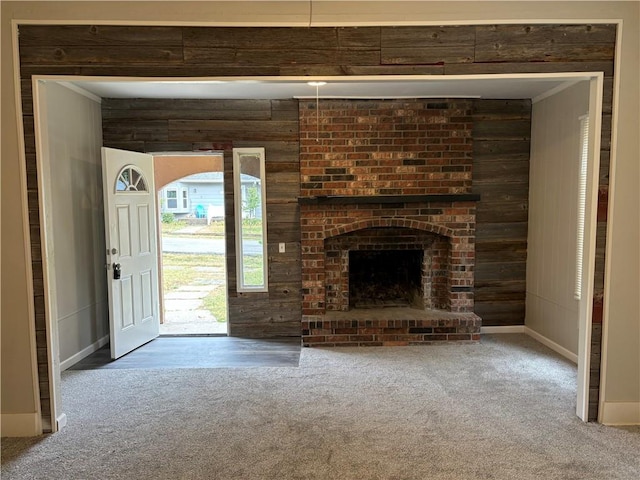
(387,222)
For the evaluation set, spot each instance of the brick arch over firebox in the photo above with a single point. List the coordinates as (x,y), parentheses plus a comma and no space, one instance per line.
(424,257)
(389,222)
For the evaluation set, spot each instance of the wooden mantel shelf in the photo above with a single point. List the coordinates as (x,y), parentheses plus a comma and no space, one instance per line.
(356,199)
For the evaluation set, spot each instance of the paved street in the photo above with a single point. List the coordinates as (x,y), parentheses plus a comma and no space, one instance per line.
(197,244)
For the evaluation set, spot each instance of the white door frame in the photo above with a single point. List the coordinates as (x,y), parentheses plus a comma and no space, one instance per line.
(585,304)
(156,156)
(42,154)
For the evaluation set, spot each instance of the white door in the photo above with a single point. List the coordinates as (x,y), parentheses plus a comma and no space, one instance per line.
(132,264)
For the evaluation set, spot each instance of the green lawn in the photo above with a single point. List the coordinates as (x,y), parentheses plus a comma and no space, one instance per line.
(170,227)
(180,269)
(216,303)
(253,267)
(251,227)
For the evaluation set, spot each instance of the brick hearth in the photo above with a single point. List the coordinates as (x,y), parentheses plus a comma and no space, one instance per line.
(380,176)
(390,327)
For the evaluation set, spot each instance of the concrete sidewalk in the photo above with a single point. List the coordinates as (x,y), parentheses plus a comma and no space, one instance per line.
(184,311)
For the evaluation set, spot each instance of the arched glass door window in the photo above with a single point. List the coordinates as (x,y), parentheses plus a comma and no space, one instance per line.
(130,179)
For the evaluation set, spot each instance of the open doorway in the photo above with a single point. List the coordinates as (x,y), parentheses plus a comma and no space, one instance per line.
(46,178)
(191,233)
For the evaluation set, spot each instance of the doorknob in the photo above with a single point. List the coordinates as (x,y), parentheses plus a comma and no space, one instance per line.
(116,271)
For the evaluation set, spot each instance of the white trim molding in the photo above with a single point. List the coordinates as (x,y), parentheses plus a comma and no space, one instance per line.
(24,204)
(611,198)
(20,425)
(620,413)
(85,352)
(61,421)
(536,336)
(568,354)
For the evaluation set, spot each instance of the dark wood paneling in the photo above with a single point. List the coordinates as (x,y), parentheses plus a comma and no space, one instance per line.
(229,130)
(288,213)
(605,133)
(194,114)
(501,313)
(510,52)
(487,171)
(74,55)
(503,149)
(499,291)
(186,109)
(501,131)
(99,35)
(428,55)
(258,316)
(291,56)
(27,97)
(150,70)
(427,45)
(265,38)
(359,37)
(503,211)
(605,156)
(411,37)
(501,109)
(507,128)
(501,271)
(280,152)
(120,130)
(546,34)
(501,231)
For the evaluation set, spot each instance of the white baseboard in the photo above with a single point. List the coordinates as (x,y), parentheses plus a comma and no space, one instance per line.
(20,425)
(85,352)
(620,413)
(61,421)
(504,329)
(552,345)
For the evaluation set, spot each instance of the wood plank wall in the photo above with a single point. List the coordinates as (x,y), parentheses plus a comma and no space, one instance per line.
(154,125)
(215,51)
(501,142)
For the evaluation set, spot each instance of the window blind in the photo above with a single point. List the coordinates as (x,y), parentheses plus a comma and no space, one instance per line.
(582,200)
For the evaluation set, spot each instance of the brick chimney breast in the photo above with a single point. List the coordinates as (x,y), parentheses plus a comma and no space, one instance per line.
(399,176)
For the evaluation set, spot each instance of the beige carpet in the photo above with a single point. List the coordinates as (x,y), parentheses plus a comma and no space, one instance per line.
(501,409)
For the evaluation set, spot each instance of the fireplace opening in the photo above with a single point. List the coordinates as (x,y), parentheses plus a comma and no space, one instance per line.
(386,278)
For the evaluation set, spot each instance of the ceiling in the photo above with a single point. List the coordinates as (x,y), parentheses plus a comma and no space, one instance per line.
(485,86)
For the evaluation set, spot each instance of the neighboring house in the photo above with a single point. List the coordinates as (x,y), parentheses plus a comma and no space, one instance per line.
(202,196)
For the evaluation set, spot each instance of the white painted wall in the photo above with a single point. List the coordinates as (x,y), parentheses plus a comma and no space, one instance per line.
(551,310)
(75,217)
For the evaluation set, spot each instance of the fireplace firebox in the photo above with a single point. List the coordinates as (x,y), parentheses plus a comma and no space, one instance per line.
(385,279)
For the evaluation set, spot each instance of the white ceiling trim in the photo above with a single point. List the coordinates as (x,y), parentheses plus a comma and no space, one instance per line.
(502,86)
